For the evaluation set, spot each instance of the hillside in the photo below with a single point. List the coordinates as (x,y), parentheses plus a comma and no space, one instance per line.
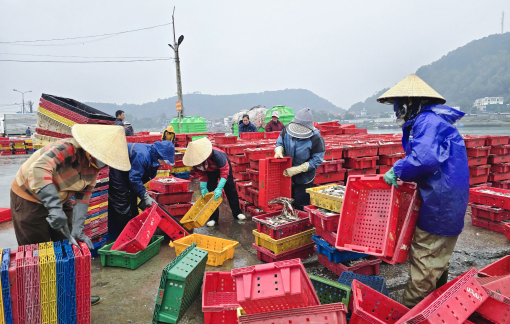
(223,105)
(478,69)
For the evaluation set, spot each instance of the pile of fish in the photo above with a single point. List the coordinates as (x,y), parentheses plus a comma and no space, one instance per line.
(354,262)
(167,180)
(491,192)
(326,212)
(288,213)
(336,191)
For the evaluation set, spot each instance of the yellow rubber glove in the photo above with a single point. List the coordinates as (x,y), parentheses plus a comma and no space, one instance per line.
(290,172)
(278,152)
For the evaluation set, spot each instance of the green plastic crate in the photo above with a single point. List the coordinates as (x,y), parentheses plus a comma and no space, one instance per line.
(330,292)
(180,285)
(131,261)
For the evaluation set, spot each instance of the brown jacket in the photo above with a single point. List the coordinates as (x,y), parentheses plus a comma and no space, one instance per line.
(274,127)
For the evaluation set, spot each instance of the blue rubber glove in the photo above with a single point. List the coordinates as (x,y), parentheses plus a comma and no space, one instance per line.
(219,188)
(391,178)
(203,189)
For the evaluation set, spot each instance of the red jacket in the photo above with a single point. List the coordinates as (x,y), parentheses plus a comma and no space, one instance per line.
(274,127)
(218,160)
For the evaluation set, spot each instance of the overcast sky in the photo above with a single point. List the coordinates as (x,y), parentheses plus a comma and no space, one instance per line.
(344,51)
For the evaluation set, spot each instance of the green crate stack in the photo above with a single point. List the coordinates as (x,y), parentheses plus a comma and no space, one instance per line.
(198,125)
(180,285)
(330,292)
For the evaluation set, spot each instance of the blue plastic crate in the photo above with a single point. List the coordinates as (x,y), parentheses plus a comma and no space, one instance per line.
(61,283)
(6,291)
(375,282)
(181,175)
(333,254)
(71,286)
(99,193)
(97,246)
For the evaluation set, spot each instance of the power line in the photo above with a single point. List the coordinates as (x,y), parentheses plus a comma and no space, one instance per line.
(126,61)
(106,57)
(81,37)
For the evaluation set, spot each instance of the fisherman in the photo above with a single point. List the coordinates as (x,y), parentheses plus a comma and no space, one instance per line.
(245,126)
(274,125)
(126,187)
(303,143)
(215,173)
(42,189)
(436,161)
(28,132)
(119,117)
(168,134)
(129,129)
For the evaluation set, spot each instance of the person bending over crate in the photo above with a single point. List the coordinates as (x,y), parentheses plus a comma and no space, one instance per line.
(215,173)
(436,161)
(127,186)
(42,189)
(303,143)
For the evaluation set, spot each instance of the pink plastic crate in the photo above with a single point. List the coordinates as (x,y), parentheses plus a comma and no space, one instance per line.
(271,180)
(323,314)
(180,185)
(493,213)
(280,231)
(219,298)
(496,269)
(490,199)
(452,303)
(301,252)
(274,286)
(319,220)
(369,267)
(138,232)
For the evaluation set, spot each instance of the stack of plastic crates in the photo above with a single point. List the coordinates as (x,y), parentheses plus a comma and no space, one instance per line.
(219,298)
(390,151)
(488,160)
(96,223)
(360,158)
(172,185)
(490,209)
(45,283)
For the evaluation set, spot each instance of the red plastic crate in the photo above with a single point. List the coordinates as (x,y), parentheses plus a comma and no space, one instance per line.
(500,167)
(495,309)
(323,178)
(333,152)
(496,269)
(390,159)
(180,185)
(98,200)
(255,154)
(361,163)
(271,135)
(505,184)
(493,213)
(273,184)
(489,199)
(169,225)
(280,231)
(500,149)
(496,140)
(498,227)
(239,159)
(254,165)
(243,176)
(319,220)
(87,259)
(452,303)
(6,152)
(323,314)
(369,267)
(301,252)
(499,176)
(475,171)
(5,215)
(370,213)
(384,168)
(251,136)
(219,298)
(474,141)
(274,286)
(244,205)
(138,232)
(225,139)
(327,236)
(330,166)
(232,149)
(171,198)
(100,229)
(360,150)
(353,172)
(478,179)
(177,209)
(478,151)
(370,306)
(255,211)
(80,284)
(495,159)
(239,167)
(390,148)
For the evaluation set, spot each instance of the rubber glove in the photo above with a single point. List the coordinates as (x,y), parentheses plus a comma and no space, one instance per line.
(278,152)
(51,201)
(203,189)
(391,178)
(219,188)
(79,215)
(146,201)
(290,172)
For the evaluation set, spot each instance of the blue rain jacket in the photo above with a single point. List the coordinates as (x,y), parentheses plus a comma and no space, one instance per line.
(309,150)
(145,164)
(250,128)
(436,161)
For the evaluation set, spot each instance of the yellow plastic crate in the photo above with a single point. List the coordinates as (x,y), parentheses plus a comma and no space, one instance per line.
(162,173)
(96,218)
(240,312)
(180,149)
(285,244)
(44,279)
(98,206)
(2,318)
(198,215)
(180,169)
(57,117)
(219,249)
(325,201)
(50,254)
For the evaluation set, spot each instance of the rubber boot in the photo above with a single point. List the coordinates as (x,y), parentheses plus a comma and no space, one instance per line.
(442,280)
(94,300)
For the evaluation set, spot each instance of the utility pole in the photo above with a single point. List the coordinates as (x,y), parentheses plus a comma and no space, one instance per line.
(30,105)
(175,47)
(502,20)
(23,98)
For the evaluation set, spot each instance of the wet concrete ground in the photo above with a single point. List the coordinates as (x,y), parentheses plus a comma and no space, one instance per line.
(128,296)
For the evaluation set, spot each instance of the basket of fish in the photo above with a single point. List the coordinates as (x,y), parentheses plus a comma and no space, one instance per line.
(329,197)
(283,223)
(169,185)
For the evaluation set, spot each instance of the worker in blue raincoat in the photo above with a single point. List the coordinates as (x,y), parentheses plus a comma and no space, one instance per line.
(127,186)
(436,161)
(303,143)
(246,126)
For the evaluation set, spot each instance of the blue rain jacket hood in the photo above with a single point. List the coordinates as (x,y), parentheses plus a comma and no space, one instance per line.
(436,161)
(144,162)
(250,128)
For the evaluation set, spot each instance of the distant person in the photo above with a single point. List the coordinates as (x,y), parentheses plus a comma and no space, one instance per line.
(119,115)
(274,125)
(168,134)
(28,132)
(129,129)
(245,126)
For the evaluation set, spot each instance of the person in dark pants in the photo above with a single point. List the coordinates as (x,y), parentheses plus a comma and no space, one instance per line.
(303,143)
(246,126)
(215,174)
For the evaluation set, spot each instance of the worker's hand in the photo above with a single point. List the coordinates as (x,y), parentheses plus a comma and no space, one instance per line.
(50,199)
(146,201)
(79,215)
(278,152)
(219,189)
(203,189)
(290,172)
(391,178)
(56,218)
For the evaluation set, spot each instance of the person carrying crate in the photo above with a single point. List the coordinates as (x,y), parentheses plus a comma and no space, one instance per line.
(215,173)
(303,143)
(127,186)
(436,161)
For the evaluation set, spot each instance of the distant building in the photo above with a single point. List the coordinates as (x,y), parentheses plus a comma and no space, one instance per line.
(209,123)
(482,103)
(363,112)
(227,120)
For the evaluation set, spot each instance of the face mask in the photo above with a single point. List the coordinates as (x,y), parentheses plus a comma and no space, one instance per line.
(400,122)
(202,167)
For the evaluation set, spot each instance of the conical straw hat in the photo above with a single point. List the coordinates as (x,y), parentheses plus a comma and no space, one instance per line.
(411,86)
(107,143)
(197,152)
